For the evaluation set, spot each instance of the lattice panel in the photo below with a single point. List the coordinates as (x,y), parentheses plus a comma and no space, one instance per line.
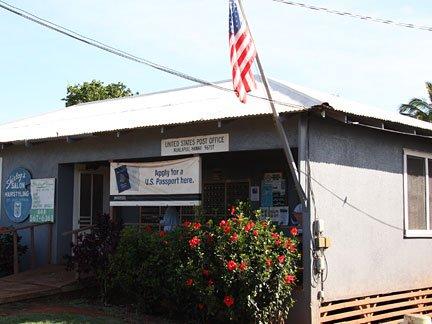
(214,198)
(386,308)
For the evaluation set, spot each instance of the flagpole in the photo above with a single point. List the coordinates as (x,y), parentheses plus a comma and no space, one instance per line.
(279,126)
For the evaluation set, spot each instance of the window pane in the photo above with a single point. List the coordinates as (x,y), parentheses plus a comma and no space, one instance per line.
(85,194)
(416,192)
(97,195)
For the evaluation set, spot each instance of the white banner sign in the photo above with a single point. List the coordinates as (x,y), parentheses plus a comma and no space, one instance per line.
(195,144)
(165,183)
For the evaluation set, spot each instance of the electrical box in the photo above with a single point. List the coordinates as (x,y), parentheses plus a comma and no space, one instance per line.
(318,227)
(320,264)
(322,242)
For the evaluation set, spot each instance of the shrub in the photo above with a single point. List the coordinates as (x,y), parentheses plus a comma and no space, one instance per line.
(239,269)
(142,268)
(6,253)
(91,252)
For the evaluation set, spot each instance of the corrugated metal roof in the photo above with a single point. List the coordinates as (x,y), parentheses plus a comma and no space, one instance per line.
(186,105)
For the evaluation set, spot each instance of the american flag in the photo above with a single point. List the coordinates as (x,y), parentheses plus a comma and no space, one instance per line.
(242,53)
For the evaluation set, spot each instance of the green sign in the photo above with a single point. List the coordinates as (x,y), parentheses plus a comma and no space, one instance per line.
(42,193)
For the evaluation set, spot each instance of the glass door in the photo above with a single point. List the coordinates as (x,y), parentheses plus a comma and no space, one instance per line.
(91,198)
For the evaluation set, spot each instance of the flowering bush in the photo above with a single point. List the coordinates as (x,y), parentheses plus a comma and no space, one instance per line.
(240,268)
(237,269)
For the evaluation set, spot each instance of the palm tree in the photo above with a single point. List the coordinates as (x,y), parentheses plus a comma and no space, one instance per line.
(419,108)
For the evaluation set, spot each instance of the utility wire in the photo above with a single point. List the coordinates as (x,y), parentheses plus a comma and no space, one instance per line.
(356,16)
(105,47)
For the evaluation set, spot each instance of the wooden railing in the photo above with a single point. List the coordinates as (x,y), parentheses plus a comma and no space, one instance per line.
(31,227)
(76,232)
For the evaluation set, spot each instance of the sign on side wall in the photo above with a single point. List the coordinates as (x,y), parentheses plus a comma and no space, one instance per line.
(195,144)
(165,183)
(17,198)
(42,194)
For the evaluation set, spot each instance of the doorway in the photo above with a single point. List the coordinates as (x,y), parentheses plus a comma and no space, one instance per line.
(91,196)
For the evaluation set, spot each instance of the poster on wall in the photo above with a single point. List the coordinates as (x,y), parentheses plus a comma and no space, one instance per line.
(42,195)
(273,190)
(17,198)
(254,193)
(278,215)
(164,183)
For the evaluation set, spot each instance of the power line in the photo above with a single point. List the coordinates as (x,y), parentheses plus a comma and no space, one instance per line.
(105,47)
(356,16)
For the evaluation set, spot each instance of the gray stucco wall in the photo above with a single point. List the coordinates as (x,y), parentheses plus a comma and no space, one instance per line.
(357,182)
(56,158)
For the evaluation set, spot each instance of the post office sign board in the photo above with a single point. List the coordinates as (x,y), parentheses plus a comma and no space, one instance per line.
(195,144)
(42,193)
(164,183)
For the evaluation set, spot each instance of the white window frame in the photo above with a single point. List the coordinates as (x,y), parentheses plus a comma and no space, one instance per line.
(407,231)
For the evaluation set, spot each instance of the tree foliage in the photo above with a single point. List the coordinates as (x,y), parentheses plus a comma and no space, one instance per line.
(419,108)
(95,90)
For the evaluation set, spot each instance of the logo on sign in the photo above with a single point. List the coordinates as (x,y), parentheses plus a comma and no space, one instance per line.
(17,197)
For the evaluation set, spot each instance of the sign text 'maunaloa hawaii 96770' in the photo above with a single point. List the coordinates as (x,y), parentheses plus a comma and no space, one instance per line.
(195,144)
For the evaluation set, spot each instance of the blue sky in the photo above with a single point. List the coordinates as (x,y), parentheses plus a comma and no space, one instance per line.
(371,63)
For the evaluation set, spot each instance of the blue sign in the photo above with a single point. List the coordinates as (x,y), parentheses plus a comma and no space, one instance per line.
(17,197)
(266,194)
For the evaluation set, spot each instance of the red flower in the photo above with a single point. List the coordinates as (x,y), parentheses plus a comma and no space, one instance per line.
(231,265)
(194,242)
(200,306)
(229,301)
(162,233)
(278,242)
(223,223)
(232,210)
(281,258)
(210,282)
(227,229)
(148,229)
(234,238)
(293,231)
(290,246)
(275,235)
(289,279)
(243,266)
(186,224)
(268,263)
(196,226)
(189,282)
(255,232)
(249,226)
(205,272)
